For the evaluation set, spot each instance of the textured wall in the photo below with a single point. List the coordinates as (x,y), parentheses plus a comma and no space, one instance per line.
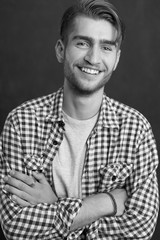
(28,67)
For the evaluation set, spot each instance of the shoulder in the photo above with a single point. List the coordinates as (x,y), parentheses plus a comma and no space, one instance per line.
(128,114)
(31,107)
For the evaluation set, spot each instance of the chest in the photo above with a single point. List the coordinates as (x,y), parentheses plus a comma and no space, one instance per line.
(107,163)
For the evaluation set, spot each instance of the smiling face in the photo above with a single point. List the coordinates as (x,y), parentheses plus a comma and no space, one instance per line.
(90,55)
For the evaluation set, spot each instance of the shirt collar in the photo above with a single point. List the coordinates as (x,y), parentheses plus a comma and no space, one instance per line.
(51,110)
(55,113)
(108,117)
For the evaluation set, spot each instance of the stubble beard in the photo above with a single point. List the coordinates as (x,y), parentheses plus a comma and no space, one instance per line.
(81,88)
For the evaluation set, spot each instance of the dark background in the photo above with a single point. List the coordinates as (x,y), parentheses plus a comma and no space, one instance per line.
(28,66)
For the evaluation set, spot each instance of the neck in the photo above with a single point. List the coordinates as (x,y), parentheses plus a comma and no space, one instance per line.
(81,106)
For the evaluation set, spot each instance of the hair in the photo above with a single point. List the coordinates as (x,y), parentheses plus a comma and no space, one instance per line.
(96,9)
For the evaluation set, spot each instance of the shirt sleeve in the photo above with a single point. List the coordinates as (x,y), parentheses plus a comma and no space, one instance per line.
(42,221)
(141,209)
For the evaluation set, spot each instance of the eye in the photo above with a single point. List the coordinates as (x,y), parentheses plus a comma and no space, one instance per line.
(107,48)
(82,44)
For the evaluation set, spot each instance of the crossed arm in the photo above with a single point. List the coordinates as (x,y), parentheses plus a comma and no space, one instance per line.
(31,190)
(36,211)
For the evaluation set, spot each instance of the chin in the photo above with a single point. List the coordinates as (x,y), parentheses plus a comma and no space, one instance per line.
(87,90)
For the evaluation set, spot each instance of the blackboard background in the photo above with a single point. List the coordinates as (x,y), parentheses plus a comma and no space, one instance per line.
(29,69)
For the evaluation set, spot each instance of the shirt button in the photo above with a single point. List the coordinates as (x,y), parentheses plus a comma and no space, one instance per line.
(114,178)
(70,210)
(61,124)
(73,235)
(55,142)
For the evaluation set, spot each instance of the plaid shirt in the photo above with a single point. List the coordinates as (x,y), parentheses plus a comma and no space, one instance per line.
(121,152)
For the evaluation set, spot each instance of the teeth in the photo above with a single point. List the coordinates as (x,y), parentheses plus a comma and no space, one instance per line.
(90,71)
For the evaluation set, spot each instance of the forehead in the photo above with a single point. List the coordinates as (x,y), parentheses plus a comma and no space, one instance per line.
(93,28)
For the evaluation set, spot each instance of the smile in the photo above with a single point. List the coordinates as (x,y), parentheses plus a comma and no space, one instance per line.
(90,71)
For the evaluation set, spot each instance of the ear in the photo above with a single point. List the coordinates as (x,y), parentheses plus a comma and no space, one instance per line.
(117,59)
(59,49)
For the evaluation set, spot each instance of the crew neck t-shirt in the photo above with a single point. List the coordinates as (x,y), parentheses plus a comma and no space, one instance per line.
(69,160)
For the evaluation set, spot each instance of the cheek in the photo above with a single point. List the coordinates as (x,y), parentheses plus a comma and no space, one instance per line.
(112,63)
(74,55)
(69,59)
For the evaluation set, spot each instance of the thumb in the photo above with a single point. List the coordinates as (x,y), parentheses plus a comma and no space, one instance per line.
(39,177)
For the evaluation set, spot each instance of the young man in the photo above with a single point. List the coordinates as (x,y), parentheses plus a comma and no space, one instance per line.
(77,164)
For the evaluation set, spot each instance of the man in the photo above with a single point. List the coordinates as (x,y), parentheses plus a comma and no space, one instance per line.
(77,164)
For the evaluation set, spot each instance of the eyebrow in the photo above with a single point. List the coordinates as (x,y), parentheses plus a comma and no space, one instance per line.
(91,40)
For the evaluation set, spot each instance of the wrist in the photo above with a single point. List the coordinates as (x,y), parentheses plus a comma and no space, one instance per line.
(114,204)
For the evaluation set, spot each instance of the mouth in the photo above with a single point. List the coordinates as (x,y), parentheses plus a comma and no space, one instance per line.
(90,71)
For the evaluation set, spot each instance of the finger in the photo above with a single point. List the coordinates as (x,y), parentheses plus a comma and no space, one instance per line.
(21,176)
(39,177)
(20,201)
(18,184)
(25,197)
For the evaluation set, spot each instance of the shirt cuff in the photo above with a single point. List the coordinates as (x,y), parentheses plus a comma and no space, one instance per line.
(67,209)
(92,230)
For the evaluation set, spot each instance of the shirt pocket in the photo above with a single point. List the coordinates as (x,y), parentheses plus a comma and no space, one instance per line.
(33,163)
(114,176)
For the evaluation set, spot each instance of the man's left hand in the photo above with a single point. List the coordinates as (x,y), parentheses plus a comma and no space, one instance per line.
(29,190)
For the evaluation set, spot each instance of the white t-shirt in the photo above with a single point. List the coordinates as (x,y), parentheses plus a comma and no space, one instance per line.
(68,163)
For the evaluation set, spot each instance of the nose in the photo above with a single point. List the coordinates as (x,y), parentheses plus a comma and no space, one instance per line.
(93,56)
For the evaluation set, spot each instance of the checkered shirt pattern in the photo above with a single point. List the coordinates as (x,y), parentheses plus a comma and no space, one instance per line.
(121,153)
